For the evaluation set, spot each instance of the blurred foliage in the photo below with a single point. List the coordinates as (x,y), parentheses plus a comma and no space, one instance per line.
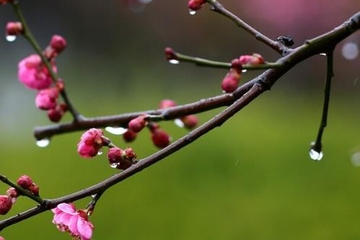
(250,179)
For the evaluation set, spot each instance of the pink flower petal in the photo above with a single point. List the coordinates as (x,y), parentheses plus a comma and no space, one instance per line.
(85,229)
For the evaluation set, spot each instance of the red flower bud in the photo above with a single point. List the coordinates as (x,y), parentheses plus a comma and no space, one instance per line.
(160,138)
(5,204)
(190,121)
(137,124)
(25,182)
(129,136)
(167,103)
(58,43)
(231,81)
(14,28)
(34,189)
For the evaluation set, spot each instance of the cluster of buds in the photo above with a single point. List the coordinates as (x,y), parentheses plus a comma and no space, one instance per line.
(121,159)
(195,5)
(91,143)
(33,73)
(159,137)
(231,80)
(6,201)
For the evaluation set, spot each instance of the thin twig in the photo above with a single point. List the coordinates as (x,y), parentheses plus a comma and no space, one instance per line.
(31,39)
(277,46)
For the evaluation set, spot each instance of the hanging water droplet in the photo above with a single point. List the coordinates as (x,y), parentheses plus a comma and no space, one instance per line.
(244,70)
(174,61)
(100,153)
(114,165)
(192,12)
(315,155)
(179,123)
(116,130)
(10,38)
(43,142)
(322,54)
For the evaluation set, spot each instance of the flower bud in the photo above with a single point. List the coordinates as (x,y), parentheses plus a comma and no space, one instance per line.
(14,28)
(137,124)
(58,43)
(190,121)
(5,204)
(167,103)
(129,136)
(255,59)
(25,182)
(12,193)
(56,113)
(47,99)
(231,81)
(170,54)
(196,4)
(34,189)
(114,155)
(160,138)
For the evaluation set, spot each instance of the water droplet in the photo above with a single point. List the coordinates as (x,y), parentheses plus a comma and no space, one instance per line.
(100,153)
(179,123)
(244,70)
(192,12)
(116,130)
(315,155)
(350,50)
(322,54)
(43,142)
(355,159)
(174,61)
(10,38)
(114,165)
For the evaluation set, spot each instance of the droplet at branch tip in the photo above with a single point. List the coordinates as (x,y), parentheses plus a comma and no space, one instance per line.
(116,130)
(174,61)
(315,155)
(43,142)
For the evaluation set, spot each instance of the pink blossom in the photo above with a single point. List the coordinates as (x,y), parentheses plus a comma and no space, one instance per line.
(90,143)
(47,99)
(33,74)
(68,219)
(1,238)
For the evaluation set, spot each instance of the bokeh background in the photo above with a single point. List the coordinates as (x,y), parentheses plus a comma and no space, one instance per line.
(250,179)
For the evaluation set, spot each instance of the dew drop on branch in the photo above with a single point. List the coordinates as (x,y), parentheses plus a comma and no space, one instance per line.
(174,61)
(179,123)
(43,142)
(323,54)
(114,165)
(315,155)
(192,12)
(100,153)
(116,130)
(10,38)
(244,70)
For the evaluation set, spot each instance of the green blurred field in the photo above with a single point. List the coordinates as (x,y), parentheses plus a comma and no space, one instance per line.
(250,179)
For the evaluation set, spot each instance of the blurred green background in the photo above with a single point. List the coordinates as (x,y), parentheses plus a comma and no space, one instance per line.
(250,179)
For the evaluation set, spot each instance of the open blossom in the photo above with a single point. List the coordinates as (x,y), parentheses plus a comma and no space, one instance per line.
(47,99)
(75,222)
(33,74)
(90,143)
